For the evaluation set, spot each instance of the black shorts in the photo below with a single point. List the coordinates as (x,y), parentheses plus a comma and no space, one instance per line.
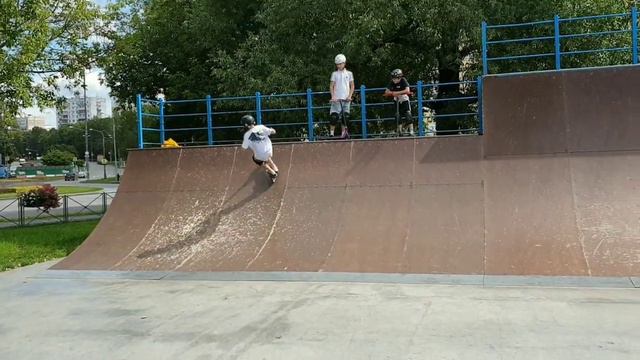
(258,162)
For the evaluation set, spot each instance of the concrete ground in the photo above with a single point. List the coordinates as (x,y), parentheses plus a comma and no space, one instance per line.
(121,318)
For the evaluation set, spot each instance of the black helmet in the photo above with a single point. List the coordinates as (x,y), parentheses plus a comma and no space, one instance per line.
(247,121)
(397,73)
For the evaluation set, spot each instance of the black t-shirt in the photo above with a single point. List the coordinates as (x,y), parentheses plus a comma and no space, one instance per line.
(401,85)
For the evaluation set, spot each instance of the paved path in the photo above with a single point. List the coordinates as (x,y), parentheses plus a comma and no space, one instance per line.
(117,318)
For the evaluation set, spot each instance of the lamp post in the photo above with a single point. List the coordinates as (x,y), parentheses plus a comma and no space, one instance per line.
(115,148)
(86,123)
(104,165)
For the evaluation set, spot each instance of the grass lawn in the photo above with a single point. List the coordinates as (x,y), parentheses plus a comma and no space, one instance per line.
(71,190)
(30,245)
(30,180)
(62,190)
(111,180)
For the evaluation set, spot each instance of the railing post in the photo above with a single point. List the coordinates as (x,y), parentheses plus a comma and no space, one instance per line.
(310,128)
(634,31)
(65,208)
(20,212)
(420,112)
(258,108)
(480,115)
(363,110)
(162,138)
(140,137)
(485,62)
(104,202)
(556,26)
(209,122)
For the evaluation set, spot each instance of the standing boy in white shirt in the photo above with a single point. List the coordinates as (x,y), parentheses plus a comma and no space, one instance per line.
(342,87)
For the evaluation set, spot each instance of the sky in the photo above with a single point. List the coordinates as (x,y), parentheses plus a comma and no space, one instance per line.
(94,88)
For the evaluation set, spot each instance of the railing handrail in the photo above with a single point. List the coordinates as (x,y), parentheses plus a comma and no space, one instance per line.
(261,105)
(558,37)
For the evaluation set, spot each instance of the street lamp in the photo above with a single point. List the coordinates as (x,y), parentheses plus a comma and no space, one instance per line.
(115,149)
(86,122)
(104,165)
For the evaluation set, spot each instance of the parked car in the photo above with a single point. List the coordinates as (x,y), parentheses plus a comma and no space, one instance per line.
(70,176)
(82,175)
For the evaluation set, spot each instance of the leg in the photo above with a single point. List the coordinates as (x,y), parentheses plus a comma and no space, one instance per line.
(346,112)
(272,165)
(333,121)
(345,124)
(397,116)
(407,121)
(270,170)
(265,164)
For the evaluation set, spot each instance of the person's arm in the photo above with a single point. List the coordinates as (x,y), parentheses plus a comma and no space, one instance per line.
(352,87)
(407,88)
(332,87)
(245,142)
(265,129)
(387,91)
(405,91)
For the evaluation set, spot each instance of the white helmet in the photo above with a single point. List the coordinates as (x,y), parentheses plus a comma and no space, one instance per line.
(340,59)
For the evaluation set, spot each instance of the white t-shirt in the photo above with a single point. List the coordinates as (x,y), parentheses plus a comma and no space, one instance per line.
(342,80)
(257,139)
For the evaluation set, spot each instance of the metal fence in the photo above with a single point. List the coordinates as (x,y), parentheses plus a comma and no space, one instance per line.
(541,45)
(209,121)
(558,40)
(72,208)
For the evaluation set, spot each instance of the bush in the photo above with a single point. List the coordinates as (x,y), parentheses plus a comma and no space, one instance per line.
(25,189)
(65,148)
(43,197)
(56,157)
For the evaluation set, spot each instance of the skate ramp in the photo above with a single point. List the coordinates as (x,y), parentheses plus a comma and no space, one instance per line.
(552,188)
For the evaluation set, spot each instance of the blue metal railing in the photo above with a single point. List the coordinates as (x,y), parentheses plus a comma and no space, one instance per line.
(308,114)
(493,37)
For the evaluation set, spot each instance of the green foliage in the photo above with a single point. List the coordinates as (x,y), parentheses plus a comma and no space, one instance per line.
(194,48)
(39,40)
(43,197)
(55,157)
(70,138)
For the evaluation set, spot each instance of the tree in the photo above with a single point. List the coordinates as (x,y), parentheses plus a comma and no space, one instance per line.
(200,47)
(168,44)
(40,41)
(56,157)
